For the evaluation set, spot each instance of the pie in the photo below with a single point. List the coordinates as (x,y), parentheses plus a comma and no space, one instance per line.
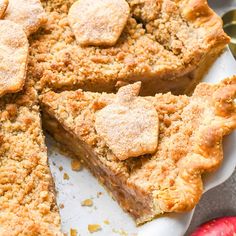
(27,196)
(167,45)
(162,175)
(149,152)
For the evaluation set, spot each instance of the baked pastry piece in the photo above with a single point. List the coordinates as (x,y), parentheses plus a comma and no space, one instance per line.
(168,178)
(27,197)
(165,44)
(14,49)
(27,13)
(98,23)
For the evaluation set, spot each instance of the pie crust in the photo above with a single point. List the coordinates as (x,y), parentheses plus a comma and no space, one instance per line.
(190,144)
(3,7)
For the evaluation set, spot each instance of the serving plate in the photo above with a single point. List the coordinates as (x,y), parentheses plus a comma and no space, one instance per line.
(105,211)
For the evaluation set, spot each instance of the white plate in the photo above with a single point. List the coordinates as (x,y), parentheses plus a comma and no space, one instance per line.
(82,185)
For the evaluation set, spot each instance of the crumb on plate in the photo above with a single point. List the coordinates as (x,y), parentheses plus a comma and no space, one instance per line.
(66,176)
(92,228)
(87,202)
(107,222)
(75,165)
(99,194)
(73,232)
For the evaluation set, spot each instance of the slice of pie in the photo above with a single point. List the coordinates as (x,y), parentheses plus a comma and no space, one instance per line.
(166,44)
(27,197)
(149,152)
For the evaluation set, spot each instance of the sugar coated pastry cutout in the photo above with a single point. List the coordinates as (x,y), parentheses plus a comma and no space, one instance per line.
(28,13)
(13,57)
(98,23)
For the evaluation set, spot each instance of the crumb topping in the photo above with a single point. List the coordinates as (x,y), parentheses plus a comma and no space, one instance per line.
(157,42)
(27,198)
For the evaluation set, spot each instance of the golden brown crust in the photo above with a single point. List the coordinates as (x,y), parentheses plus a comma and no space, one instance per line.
(154,46)
(200,14)
(14,51)
(218,116)
(27,198)
(3,7)
(190,143)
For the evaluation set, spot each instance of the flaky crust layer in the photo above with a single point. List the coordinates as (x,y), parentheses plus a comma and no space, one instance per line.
(14,50)
(189,145)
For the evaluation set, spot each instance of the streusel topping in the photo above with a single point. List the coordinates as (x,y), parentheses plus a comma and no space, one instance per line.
(158,41)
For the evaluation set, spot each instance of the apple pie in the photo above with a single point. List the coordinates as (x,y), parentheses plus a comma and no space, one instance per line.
(149,152)
(166,44)
(27,197)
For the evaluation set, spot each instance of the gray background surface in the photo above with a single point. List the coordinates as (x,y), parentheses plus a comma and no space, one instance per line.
(220,201)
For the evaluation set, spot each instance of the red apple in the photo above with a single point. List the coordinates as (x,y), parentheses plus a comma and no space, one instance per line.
(225,226)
